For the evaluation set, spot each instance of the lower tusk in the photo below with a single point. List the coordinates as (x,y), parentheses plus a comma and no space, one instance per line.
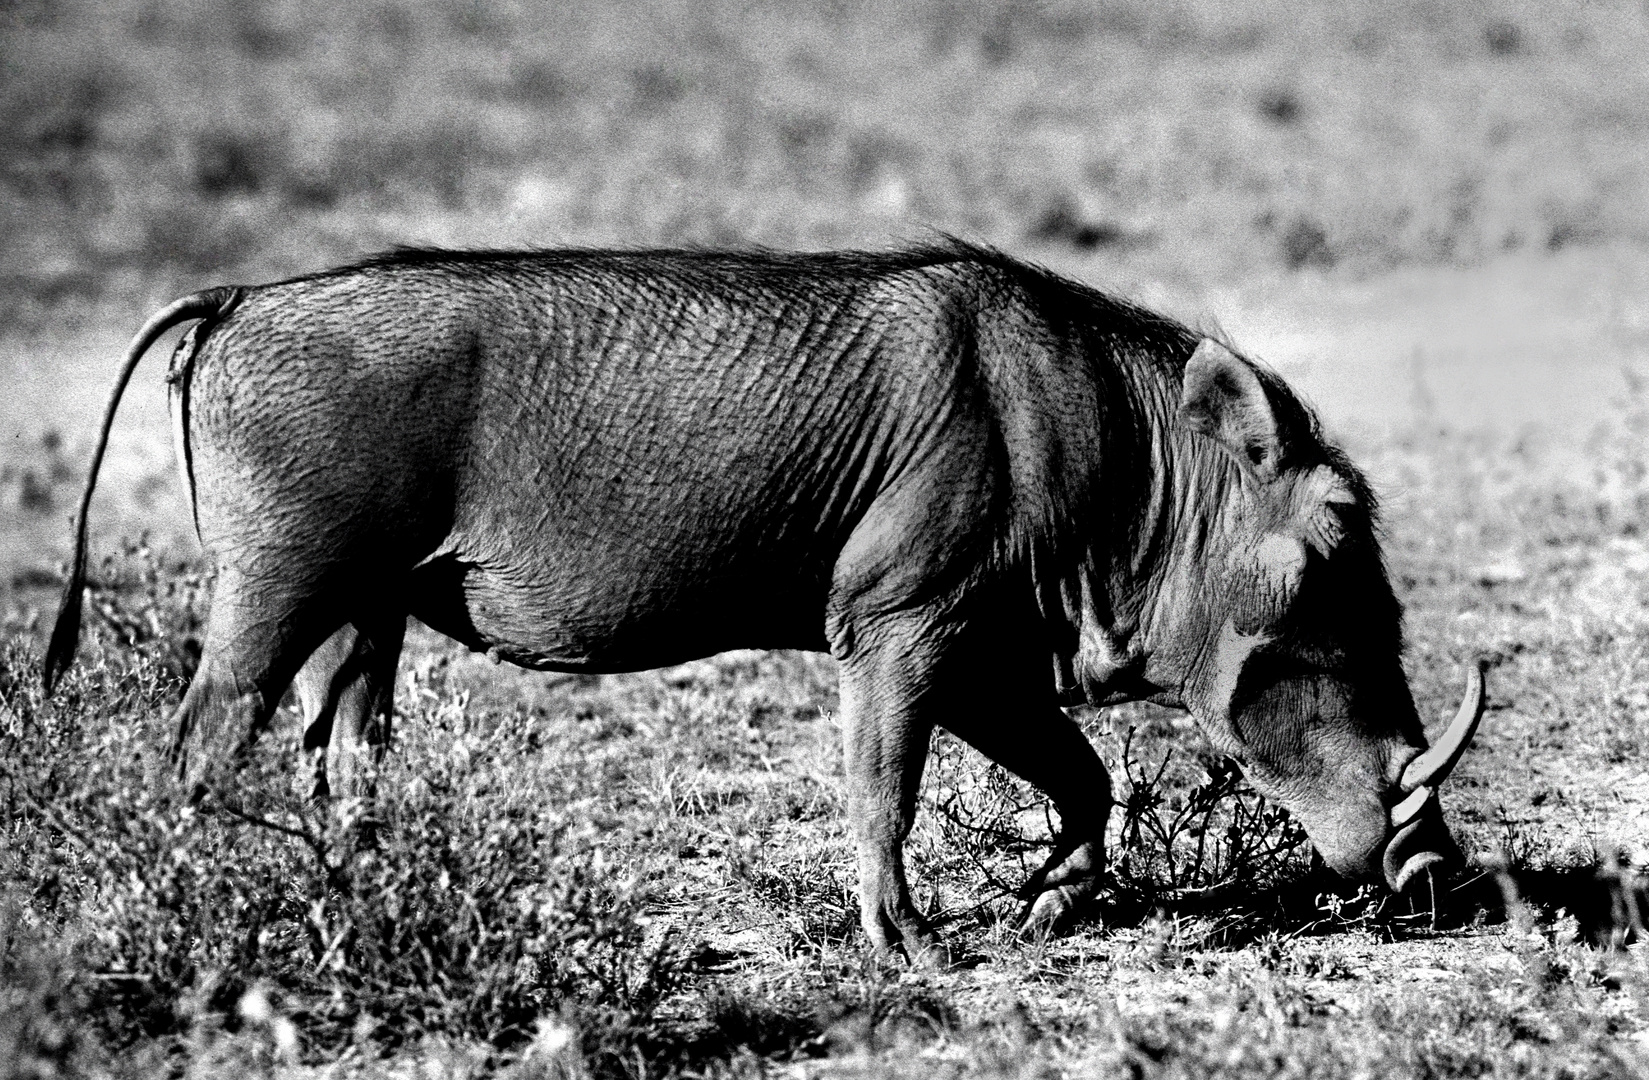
(1431,767)
(1409,809)
(1400,874)
(1400,880)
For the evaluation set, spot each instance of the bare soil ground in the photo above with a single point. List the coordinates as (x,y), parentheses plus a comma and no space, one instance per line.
(1430,220)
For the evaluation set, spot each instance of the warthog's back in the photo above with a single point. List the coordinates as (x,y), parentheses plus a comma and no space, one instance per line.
(598,460)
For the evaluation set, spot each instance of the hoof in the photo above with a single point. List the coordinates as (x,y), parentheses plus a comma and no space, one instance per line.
(931,956)
(1049,914)
(191,779)
(922,953)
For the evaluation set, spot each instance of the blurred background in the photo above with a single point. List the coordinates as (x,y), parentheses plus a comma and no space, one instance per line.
(1422,212)
(148,145)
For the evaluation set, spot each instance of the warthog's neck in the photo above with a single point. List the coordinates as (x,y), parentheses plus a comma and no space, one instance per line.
(1152,522)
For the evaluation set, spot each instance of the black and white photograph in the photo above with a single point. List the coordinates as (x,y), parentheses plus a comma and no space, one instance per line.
(932,539)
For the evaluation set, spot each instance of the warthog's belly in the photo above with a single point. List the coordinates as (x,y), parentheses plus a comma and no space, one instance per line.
(596,619)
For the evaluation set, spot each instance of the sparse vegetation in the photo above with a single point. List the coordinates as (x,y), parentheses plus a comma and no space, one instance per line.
(483,901)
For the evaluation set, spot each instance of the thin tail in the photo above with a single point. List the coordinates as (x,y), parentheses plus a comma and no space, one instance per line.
(209,304)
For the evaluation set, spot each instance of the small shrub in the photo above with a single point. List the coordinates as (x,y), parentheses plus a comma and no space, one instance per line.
(1217,835)
(1176,831)
(32,481)
(1280,106)
(1504,38)
(1305,243)
(475,909)
(231,163)
(989,824)
(1062,221)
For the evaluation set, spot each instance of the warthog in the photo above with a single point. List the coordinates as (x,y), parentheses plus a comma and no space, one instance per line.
(987,491)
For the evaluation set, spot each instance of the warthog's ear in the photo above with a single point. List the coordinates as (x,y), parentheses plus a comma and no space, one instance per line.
(1321,494)
(1224,399)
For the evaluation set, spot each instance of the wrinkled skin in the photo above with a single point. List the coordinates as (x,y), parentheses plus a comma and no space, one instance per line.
(986,491)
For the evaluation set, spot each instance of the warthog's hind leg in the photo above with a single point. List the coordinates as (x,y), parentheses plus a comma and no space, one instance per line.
(347,690)
(256,639)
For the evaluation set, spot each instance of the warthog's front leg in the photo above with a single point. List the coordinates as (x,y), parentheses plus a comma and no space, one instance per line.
(1047,749)
(886,728)
(915,677)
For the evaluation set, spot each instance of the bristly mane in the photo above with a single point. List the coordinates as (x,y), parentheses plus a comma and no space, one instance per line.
(849,265)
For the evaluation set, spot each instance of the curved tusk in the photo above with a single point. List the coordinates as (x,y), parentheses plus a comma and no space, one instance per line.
(1435,764)
(1399,877)
(1409,809)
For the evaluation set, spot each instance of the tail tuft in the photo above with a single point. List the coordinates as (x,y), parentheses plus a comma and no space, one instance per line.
(65,637)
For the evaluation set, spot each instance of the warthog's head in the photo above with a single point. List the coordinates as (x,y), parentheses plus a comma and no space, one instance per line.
(1271,618)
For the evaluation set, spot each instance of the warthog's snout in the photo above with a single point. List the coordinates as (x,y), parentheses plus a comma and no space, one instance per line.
(1396,834)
